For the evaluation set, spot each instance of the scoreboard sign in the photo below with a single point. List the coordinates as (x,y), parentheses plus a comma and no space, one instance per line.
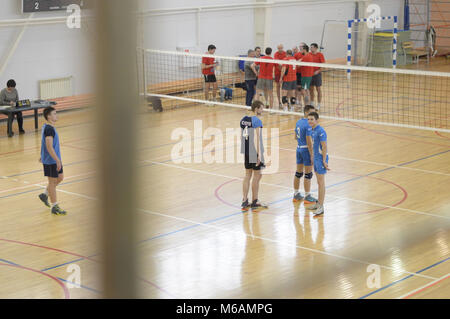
(49,5)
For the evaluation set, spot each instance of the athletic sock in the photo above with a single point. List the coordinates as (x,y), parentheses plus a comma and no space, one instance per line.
(55,204)
(46,192)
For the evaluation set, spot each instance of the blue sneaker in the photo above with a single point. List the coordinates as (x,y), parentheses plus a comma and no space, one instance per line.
(245,206)
(310,199)
(297,197)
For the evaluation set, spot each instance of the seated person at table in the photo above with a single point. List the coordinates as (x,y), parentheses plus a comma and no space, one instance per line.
(10,96)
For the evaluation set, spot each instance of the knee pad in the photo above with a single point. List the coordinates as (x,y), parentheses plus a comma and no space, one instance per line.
(298,175)
(293,100)
(284,100)
(309,175)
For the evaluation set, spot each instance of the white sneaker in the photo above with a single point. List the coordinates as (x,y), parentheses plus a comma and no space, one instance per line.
(313,206)
(319,211)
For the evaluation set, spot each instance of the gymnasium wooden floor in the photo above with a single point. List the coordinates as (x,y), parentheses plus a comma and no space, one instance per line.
(387,206)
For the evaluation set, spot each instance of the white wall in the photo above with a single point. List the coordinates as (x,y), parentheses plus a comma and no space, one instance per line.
(232,31)
(53,51)
(45,52)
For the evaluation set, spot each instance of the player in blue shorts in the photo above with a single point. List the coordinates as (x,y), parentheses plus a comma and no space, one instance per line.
(51,160)
(253,149)
(303,134)
(320,159)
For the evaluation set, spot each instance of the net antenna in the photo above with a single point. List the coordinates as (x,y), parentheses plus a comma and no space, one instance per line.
(394,41)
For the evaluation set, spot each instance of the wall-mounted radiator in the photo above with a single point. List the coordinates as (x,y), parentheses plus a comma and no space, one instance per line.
(55,88)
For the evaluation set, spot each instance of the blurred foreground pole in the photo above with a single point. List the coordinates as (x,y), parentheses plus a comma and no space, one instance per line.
(116,116)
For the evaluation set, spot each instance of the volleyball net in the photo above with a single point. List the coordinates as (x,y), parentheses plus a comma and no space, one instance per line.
(396,97)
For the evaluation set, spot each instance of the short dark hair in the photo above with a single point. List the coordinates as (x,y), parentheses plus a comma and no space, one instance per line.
(211,47)
(315,115)
(314,45)
(47,111)
(256,48)
(289,52)
(268,51)
(256,105)
(11,84)
(305,47)
(308,108)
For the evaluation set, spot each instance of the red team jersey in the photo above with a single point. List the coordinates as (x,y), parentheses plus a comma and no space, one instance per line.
(291,76)
(298,56)
(208,61)
(318,58)
(307,71)
(265,69)
(279,56)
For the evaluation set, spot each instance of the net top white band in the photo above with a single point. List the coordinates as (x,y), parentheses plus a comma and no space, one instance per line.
(321,65)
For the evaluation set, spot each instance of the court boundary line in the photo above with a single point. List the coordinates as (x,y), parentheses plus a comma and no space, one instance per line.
(59,282)
(281,243)
(382,164)
(400,280)
(424,287)
(290,188)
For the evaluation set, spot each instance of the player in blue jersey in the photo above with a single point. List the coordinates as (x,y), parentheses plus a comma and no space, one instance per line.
(305,154)
(320,159)
(253,149)
(51,160)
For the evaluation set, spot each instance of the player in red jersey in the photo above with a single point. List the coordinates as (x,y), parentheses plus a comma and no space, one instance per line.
(298,56)
(279,55)
(316,82)
(307,73)
(208,65)
(289,82)
(265,79)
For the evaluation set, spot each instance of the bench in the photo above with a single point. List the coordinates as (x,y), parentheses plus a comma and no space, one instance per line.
(416,53)
(192,88)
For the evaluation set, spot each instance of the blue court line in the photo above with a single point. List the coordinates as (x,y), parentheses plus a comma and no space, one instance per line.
(240,212)
(41,170)
(67,263)
(8,262)
(37,189)
(400,280)
(81,286)
(274,202)
(86,161)
(287,198)
(14,264)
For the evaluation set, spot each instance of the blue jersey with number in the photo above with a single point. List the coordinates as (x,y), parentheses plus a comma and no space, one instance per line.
(319,135)
(302,130)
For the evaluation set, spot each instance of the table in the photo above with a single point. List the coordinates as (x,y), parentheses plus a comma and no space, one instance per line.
(36,105)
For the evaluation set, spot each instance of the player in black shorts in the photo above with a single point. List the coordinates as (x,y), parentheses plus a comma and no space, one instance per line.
(253,150)
(208,70)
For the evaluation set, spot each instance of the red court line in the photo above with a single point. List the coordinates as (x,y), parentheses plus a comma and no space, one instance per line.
(426,287)
(157,287)
(63,286)
(48,248)
(73,254)
(381,133)
(405,193)
(439,134)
